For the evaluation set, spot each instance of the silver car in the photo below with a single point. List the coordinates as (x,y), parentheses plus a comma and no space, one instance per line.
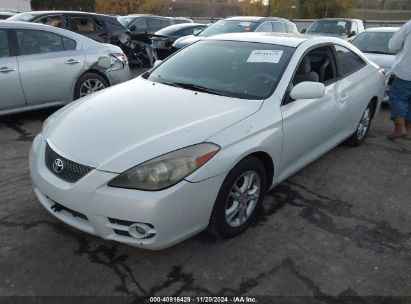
(43,66)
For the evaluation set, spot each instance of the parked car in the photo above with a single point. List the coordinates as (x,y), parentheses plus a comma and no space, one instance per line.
(239,114)
(373,42)
(239,24)
(336,27)
(162,41)
(101,28)
(142,26)
(42,66)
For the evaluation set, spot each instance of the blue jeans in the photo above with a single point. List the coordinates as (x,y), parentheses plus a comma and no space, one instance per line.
(400,99)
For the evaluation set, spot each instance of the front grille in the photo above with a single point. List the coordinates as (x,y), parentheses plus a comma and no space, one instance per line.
(71,171)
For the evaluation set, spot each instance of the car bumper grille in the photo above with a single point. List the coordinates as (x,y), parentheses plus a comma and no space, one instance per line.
(70,171)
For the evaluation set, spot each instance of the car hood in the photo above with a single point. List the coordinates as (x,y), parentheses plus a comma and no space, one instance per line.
(133,122)
(384,61)
(186,40)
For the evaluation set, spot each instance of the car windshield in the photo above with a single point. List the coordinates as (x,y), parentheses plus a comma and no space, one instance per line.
(22,17)
(225,26)
(228,68)
(335,27)
(126,21)
(374,42)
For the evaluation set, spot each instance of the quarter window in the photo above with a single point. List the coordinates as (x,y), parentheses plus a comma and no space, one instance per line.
(38,42)
(4,44)
(69,44)
(349,61)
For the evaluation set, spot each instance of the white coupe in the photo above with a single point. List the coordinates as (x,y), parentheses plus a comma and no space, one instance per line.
(196,142)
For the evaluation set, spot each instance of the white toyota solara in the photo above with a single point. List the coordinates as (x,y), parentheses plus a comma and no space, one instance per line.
(196,142)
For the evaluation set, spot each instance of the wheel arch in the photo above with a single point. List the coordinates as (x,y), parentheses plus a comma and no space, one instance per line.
(266,159)
(92,71)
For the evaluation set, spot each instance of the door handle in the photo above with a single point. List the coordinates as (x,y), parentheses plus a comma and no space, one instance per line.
(7,70)
(72,61)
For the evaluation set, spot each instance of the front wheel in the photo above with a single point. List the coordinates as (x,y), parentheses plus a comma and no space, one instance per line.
(88,84)
(362,129)
(239,199)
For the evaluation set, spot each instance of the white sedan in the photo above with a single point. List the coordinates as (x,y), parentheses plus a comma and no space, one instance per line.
(196,142)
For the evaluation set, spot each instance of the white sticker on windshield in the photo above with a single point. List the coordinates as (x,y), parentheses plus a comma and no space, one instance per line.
(270,56)
(245,24)
(341,23)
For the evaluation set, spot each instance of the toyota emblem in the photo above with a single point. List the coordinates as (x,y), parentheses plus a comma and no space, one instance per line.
(58,166)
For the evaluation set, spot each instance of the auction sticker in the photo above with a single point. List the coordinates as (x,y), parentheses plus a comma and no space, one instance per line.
(270,56)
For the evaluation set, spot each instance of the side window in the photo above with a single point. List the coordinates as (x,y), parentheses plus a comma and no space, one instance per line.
(279,27)
(4,44)
(56,21)
(185,32)
(83,24)
(349,62)
(265,27)
(38,42)
(154,24)
(165,23)
(291,28)
(140,25)
(69,44)
(354,28)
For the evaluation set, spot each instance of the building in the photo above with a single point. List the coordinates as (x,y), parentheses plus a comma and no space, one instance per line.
(17,5)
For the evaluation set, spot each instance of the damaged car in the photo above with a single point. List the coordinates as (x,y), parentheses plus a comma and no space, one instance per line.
(43,66)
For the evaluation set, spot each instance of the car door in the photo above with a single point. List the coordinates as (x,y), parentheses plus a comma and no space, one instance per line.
(49,65)
(352,88)
(11,91)
(311,126)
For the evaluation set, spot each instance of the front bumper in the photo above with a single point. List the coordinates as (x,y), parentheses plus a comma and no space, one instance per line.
(90,205)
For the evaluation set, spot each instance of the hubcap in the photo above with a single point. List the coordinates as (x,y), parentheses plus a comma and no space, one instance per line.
(242,199)
(90,86)
(364,124)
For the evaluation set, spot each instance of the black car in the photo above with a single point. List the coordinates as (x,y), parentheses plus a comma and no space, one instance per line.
(142,26)
(102,28)
(239,24)
(163,40)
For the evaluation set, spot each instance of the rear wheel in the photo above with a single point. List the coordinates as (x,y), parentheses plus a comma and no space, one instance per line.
(88,84)
(239,199)
(362,129)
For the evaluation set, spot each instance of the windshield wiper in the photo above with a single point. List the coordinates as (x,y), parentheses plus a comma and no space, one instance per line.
(195,87)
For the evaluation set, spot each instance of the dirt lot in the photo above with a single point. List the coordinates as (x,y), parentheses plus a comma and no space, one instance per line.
(340,227)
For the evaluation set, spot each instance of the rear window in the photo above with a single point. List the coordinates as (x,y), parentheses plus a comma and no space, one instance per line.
(229,26)
(374,42)
(335,27)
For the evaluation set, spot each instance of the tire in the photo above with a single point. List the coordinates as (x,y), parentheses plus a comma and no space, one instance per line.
(357,138)
(81,87)
(220,223)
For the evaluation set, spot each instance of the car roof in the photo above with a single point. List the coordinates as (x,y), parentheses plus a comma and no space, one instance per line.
(254,18)
(343,19)
(290,40)
(382,29)
(40,13)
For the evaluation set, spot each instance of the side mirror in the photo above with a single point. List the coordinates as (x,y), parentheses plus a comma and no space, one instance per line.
(353,33)
(308,90)
(303,31)
(133,28)
(157,63)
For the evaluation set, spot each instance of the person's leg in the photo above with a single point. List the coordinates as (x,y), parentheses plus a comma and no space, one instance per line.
(398,106)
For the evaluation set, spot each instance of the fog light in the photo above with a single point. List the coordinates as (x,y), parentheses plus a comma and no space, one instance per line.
(141,231)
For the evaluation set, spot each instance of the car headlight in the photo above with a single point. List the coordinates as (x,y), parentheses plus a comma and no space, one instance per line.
(167,170)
